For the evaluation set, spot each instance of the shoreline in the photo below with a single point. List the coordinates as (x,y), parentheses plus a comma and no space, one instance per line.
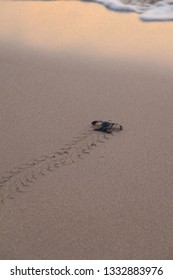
(75,193)
(85,28)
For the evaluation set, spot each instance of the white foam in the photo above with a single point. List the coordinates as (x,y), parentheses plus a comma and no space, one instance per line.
(160,11)
(117,5)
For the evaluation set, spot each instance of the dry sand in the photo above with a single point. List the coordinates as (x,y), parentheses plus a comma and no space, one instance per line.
(92,196)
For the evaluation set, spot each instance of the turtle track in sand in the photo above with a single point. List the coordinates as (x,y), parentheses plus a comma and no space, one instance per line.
(21,177)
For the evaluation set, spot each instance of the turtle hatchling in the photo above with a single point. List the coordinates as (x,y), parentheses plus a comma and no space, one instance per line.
(106,126)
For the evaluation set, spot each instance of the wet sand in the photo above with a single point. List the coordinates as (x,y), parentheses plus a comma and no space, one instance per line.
(68,192)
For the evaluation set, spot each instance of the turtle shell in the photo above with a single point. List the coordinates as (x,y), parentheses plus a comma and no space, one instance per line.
(106,126)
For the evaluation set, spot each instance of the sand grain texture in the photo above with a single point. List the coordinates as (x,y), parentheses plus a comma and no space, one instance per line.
(70,193)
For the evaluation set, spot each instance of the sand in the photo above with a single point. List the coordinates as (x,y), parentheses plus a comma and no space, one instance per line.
(73,193)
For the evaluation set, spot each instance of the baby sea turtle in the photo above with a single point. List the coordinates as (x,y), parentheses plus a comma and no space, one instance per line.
(106,126)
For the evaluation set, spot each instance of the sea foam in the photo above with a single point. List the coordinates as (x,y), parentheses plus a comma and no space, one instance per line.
(149,10)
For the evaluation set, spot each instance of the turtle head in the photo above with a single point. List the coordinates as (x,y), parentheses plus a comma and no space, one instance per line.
(118,126)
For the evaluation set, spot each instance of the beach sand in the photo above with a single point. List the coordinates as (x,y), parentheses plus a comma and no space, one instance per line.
(73,193)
